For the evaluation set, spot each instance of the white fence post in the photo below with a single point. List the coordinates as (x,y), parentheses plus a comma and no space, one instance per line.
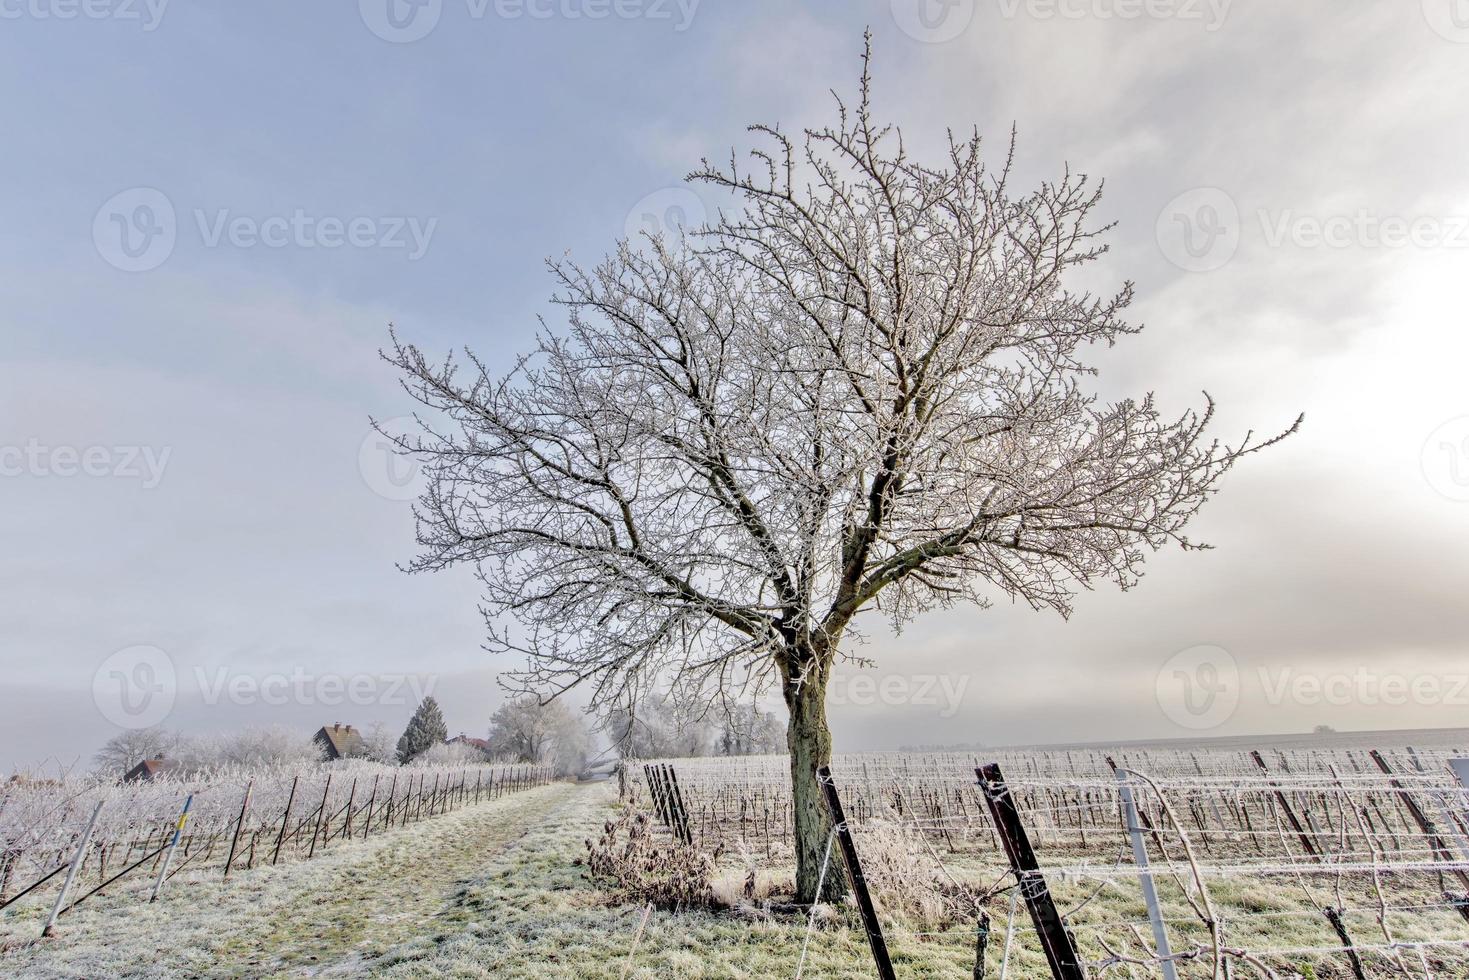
(1150,894)
(71,872)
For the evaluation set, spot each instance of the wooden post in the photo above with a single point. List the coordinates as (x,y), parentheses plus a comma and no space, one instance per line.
(320,816)
(285,819)
(71,872)
(1436,843)
(239,825)
(178,833)
(392,793)
(1059,947)
(683,814)
(855,876)
(1145,876)
(371,799)
(1290,815)
(347,824)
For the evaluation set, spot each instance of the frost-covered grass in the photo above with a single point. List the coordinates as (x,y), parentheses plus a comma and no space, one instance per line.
(333,912)
(500,890)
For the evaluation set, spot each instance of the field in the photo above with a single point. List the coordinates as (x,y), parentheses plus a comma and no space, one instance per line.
(1316,865)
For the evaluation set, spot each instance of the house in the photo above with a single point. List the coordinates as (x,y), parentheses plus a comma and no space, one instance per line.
(474,743)
(340,741)
(150,769)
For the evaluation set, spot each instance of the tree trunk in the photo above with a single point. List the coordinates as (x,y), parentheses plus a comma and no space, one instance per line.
(809,741)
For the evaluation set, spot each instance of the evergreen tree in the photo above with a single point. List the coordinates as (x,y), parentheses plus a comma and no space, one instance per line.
(425,730)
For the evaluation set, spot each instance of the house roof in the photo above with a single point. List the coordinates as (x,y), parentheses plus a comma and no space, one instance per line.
(461,739)
(341,741)
(150,768)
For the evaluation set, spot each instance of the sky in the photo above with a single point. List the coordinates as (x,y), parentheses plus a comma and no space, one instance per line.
(212,212)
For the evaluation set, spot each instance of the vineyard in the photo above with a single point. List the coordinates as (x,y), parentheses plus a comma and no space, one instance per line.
(1319,863)
(63,841)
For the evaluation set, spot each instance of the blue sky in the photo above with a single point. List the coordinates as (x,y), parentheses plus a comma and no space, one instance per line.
(264,549)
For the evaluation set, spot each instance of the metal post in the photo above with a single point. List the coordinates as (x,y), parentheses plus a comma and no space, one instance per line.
(71,872)
(178,833)
(1145,876)
(854,874)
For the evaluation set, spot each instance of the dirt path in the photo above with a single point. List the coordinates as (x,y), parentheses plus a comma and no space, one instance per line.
(327,917)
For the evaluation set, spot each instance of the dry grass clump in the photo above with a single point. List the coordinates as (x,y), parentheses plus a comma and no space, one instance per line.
(645,869)
(909,882)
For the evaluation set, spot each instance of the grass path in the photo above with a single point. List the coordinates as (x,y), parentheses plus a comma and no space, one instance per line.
(326,917)
(492,891)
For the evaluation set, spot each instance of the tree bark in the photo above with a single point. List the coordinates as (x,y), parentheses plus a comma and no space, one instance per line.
(809,741)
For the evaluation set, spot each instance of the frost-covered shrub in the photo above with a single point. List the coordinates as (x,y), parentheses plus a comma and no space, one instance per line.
(643,868)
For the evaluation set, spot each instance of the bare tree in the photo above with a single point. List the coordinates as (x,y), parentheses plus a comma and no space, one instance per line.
(860,389)
(526,730)
(273,745)
(128,748)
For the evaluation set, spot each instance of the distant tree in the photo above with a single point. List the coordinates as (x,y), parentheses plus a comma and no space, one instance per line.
(550,734)
(273,745)
(449,754)
(126,749)
(378,744)
(658,726)
(865,388)
(1324,730)
(425,729)
(746,730)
